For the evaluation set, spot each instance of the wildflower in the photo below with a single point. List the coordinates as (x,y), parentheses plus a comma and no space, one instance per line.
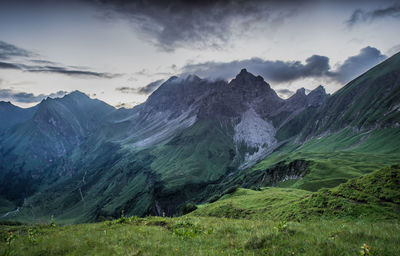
(365,250)
(10,238)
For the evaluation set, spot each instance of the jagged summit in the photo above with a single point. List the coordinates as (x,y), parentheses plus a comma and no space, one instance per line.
(76,95)
(317,96)
(247,78)
(319,89)
(6,103)
(301,91)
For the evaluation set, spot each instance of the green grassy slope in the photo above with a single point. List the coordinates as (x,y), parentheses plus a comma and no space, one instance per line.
(369,101)
(362,214)
(112,178)
(337,157)
(200,154)
(373,196)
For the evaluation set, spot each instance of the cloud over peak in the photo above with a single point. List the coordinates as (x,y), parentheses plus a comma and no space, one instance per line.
(147,89)
(357,64)
(24,97)
(279,71)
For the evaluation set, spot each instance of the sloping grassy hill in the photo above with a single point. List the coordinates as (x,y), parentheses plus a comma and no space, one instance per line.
(359,217)
(337,157)
(373,196)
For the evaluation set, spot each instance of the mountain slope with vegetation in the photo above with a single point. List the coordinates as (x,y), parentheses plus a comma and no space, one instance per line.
(360,216)
(375,196)
(83,161)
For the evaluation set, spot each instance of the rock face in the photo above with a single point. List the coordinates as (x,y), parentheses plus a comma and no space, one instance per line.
(280,172)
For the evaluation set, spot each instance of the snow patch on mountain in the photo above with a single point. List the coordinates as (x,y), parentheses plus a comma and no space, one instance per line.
(257,134)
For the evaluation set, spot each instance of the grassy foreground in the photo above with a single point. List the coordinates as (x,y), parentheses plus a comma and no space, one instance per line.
(203,236)
(359,217)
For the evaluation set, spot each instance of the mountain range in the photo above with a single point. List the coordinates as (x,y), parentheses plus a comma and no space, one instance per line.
(82,160)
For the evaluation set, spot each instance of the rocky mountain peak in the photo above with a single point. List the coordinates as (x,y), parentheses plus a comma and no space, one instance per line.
(301,91)
(78,95)
(6,103)
(317,96)
(247,78)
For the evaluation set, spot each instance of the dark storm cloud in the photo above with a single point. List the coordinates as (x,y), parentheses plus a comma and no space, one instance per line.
(195,24)
(357,64)
(8,51)
(360,15)
(24,97)
(287,71)
(274,71)
(151,87)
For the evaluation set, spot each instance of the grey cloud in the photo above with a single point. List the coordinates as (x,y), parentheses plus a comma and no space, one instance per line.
(360,15)
(6,65)
(126,89)
(393,50)
(8,51)
(148,73)
(288,71)
(24,97)
(127,104)
(151,87)
(357,64)
(274,71)
(69,72)
(56,70)
(45,62)
(194,24)
(286,93)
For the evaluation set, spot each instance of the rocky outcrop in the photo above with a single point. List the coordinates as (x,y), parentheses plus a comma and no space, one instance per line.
(280,172)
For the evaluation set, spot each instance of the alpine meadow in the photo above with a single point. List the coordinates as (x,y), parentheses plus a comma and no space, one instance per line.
(216,127)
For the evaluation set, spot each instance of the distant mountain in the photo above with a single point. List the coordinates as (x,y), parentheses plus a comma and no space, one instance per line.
(29,148)
(12,115)
(191,139)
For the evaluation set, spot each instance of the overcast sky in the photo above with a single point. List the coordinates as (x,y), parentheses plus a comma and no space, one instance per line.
(120,52)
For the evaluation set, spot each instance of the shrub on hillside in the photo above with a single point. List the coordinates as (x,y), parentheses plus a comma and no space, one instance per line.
(187,208)
(230,190)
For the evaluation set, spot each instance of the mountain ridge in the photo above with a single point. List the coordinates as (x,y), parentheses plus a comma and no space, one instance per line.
(191,139)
